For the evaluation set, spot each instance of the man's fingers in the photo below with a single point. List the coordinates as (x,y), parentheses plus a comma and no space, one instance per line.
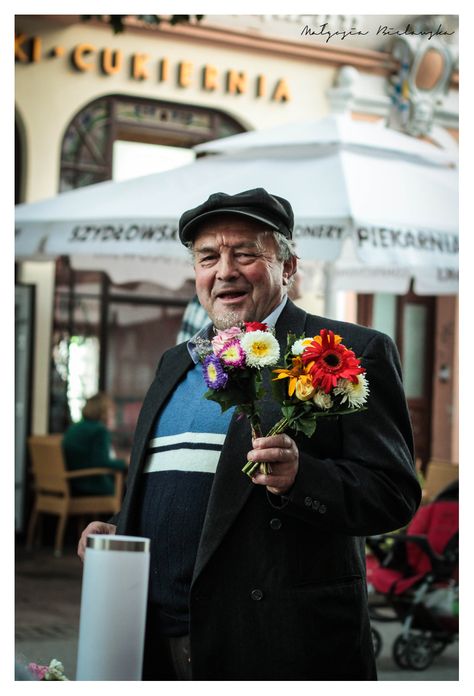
(281,453)
(93,528)
(283,440)
(272,454)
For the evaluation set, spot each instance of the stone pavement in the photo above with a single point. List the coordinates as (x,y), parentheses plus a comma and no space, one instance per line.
(47,607)
(48,595)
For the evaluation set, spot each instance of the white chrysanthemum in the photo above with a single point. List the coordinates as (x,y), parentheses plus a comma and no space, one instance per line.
(298,346)
(354,394)
(322,400)
(55,672)
(261,348)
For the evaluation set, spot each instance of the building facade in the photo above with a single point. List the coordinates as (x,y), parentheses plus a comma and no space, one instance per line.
(91,105)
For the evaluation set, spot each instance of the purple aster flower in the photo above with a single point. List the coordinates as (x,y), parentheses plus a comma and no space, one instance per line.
(214,374)
(232,354)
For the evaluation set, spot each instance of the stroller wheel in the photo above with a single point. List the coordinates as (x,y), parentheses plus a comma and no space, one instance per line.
(376,641)
(419,652)
(399,651)
(438,646)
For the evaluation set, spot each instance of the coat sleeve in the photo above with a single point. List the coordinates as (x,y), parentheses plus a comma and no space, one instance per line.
(371,486)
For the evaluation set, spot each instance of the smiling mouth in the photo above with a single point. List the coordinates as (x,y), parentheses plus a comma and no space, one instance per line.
(231,295)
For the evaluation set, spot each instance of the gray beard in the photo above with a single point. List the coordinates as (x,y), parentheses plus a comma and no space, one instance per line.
(226,320)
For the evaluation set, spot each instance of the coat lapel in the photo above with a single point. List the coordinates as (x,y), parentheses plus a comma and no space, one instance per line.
(231,488)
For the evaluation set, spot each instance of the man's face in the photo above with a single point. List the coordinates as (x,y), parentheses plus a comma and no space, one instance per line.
(238,275)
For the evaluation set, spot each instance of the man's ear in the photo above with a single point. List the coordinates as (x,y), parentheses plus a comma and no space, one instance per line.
(289,269)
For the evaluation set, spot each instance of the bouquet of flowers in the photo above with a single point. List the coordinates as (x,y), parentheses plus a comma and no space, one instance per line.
(232,364)
(52,672)
(324,379)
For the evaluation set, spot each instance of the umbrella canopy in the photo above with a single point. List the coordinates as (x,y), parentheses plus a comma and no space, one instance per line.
(335,129)
(369,202)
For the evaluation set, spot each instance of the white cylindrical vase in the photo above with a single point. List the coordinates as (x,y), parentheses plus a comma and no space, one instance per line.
(113,608)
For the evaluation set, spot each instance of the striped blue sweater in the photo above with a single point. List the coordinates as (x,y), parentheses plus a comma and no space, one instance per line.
(181,461)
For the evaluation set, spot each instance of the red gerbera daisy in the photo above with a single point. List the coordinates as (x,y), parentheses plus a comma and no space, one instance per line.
(329,360)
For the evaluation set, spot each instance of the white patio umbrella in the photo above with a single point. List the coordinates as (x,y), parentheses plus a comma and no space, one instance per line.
(363,195)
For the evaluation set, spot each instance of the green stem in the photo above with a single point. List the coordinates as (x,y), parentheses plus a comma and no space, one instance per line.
(250,467)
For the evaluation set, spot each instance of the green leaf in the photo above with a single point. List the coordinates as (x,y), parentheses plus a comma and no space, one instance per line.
(307,426)
(288,411)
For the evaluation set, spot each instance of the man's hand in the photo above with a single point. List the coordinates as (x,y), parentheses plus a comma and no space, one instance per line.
(281,452)
(93,528)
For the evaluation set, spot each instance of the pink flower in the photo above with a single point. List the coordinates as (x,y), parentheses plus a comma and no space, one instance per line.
(232,354)
(223,337)
(39,671)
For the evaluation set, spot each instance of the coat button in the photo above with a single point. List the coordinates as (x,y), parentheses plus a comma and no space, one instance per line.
(322,509)
(256,595)
(308,501)
(315,504)
(275,523)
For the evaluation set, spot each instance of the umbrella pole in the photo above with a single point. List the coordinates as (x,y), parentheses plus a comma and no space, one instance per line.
(330,293)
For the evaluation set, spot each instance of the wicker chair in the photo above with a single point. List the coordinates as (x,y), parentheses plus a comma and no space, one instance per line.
(52,494)
(439,474)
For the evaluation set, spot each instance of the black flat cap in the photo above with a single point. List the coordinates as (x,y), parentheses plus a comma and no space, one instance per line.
(257,204)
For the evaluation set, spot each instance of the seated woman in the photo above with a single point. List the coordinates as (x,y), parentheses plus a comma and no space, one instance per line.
(87,444)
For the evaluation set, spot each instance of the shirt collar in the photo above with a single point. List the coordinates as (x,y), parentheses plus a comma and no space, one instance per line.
(205,332)
(273,317)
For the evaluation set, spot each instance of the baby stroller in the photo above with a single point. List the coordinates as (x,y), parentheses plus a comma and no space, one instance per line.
(414,574)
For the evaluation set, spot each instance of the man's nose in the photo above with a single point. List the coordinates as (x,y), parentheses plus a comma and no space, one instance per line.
(227,268)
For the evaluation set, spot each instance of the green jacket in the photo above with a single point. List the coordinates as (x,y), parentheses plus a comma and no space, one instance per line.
(86,445)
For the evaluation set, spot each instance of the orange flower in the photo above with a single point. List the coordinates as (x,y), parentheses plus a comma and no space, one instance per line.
(292,374)
(328,360)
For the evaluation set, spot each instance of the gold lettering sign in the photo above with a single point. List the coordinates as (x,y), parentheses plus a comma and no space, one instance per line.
(236,82)
(164,69)
(111,61)
(209,78)
(78,56)
(185,71)
(85,57)
(34,49)
(139,69)
(19,52)
(281,92)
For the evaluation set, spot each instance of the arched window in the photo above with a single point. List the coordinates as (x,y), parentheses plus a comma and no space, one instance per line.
(100,328)
(87,148)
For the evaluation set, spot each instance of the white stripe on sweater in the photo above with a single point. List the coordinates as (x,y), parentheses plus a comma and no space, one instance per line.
(212,438)
(182,458)
(204,461)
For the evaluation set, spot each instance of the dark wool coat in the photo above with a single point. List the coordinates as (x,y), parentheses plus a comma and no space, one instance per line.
(279,589)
